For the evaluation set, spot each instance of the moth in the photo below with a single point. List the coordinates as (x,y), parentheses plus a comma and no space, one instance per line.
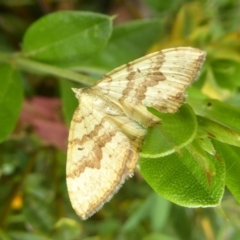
(111,121)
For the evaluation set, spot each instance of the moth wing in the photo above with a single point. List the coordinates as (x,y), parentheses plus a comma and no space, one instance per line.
(100,156)
(157,80)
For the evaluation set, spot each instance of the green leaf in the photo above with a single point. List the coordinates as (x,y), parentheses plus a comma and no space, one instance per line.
(11,96)
(205,142)
(197,150)
(66,228)
(155,207)
(171,134)
(182,27)
(226,72)
(159,212)
(215,110)
(219,132)
(180,179)
(69,101)
(67,36)
(138,215)
(230,155)
(128,42)
(182,222)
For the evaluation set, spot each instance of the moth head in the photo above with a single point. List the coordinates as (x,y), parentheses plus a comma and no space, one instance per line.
(77,92)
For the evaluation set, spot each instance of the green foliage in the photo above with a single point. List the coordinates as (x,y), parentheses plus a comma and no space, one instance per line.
(163,139)
(66,36)
(69,102)
(127,37)
(188,159)
(181,179)
(11,94)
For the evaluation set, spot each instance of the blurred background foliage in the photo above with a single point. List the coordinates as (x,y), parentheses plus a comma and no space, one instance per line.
(34,203)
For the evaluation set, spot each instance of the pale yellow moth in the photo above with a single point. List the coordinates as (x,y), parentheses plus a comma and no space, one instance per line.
(110,123)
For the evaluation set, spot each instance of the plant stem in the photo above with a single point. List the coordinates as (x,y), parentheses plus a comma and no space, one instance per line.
(38,67)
